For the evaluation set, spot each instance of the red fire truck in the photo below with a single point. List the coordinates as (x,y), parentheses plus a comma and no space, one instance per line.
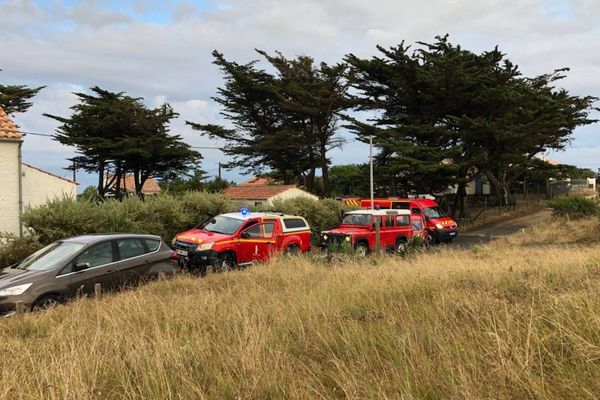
(358,230)
(442,228)
(228,240)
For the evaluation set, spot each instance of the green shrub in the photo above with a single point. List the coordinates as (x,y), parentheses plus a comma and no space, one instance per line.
(14,249)
(162,215)
(574,207)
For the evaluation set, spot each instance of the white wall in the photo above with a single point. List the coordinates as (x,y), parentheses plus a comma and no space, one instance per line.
(9,186)
(40,186)
(290,194)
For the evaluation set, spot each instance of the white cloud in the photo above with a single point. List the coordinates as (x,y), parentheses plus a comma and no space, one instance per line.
(69,47)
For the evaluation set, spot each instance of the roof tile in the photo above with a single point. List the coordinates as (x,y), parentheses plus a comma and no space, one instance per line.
(8,129)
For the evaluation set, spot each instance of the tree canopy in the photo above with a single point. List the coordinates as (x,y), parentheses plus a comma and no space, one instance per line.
(444,115)
(16,98)
(116,135)
(284,122)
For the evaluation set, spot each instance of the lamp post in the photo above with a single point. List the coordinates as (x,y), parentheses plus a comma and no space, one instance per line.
(371,170)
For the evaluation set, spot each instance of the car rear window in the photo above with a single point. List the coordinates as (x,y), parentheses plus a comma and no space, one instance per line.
(152,244)
(294,223)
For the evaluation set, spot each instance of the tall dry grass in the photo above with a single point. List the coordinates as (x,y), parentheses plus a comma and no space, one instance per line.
(501,321)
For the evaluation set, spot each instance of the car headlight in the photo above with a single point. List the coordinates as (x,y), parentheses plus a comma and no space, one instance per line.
(174,241)
(15,290)
(348,238)
(439,226)
(205,246)
(325,237)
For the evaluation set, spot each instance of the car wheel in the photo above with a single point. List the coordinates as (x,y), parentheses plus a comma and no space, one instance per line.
(401,247)
(225,262)
(46,302)
(292,250)
(362,249)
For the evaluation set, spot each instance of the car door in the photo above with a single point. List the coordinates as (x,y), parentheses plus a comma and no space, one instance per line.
(134,262)
(256,242)
(388,233)
(100,259)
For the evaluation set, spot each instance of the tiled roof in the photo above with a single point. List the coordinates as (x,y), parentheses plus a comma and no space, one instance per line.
(150,186)
(255,192)
(259,181)
(49,173)
(8,130)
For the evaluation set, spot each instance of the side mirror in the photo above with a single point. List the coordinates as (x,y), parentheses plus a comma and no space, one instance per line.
(245,235)
(80,267)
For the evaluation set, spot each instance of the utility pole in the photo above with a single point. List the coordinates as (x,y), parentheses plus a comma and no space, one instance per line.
(219,170)
(371,171)
(74,171)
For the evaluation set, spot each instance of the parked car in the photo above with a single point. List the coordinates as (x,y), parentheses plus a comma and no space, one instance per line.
(442,228)
(358,230)
(72,266)
(233,239)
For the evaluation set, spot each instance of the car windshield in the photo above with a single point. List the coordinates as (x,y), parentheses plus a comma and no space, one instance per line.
(224,225)
(434,212)
(356,219)
(50,257)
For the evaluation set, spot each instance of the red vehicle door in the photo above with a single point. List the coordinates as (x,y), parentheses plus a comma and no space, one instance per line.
(389,232)
(256,243)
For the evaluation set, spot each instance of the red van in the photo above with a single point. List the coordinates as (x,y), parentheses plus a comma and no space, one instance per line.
(442,228)
(228,240)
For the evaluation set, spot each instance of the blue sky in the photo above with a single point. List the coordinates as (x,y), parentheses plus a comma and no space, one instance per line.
(160,50)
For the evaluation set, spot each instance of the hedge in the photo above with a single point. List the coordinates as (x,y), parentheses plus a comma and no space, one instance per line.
(575,207)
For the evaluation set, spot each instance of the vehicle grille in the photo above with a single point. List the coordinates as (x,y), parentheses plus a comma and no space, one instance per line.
(336,241)
(179,245)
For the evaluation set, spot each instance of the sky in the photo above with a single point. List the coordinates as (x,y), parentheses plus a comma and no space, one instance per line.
(161,51)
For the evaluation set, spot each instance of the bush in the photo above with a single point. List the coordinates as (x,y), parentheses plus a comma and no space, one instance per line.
(320,214)
(162,215)
(14,249)
(574,207)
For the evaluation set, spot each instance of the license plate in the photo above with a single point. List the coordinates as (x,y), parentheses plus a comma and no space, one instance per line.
(182,253)
(452,233)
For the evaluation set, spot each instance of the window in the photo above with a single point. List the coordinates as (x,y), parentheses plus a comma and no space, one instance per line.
(400,205)
(294,223)
(389,221)
(416,211)
(100,254)
(260,231)
(402,220)
(435,212)
(356,219)
(224,225)
(50,257)
(417,224)
(152,244)
(129,248)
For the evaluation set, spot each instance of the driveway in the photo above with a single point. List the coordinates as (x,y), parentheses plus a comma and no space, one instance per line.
(500,229)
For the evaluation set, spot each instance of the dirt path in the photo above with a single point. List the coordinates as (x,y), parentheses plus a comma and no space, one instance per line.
(500,229)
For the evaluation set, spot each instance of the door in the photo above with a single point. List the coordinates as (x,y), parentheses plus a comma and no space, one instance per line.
(100,266)
(257,242)
(134,262)
(388,233)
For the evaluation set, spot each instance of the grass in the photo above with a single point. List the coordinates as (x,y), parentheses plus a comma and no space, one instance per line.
(514,319)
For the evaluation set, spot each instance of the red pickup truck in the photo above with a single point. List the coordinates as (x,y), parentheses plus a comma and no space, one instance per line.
(442,228)
(357,229)
(228,240)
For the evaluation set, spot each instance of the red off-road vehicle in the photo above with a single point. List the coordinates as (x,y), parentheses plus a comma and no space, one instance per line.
(357,230)
(228,240)
(441,227)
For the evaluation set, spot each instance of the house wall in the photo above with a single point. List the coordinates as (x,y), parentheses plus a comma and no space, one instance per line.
(39,187)
(290,194)
(9,186)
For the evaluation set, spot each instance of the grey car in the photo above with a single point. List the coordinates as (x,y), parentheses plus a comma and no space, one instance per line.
(74,266)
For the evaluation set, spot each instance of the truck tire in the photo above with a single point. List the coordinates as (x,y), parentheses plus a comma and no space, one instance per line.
(292,250)
(401,245)
(362,249)
(225,262)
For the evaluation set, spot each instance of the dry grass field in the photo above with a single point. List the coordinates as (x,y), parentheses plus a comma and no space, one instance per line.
(518,318)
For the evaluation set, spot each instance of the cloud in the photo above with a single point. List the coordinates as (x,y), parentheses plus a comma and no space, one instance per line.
(128,46)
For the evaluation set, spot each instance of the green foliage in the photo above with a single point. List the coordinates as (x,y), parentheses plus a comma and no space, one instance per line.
(320,214)
(16,98)
(14,249)
(574,207)
(350,180)
(414,245)
(197,182)
(163,215)
(116,135)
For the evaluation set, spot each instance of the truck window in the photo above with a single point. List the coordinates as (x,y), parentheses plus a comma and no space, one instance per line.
(417,224)
(416,211)
(402,220)
(389,221)
(400,205)
(294,223)
(435,212)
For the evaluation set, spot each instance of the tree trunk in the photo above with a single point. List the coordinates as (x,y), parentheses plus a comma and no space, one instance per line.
(500,186)
(101,183)
(459,200)
(325,170)
(309,180)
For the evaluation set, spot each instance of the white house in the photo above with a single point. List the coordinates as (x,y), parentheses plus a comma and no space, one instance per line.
(258,195)
(22,184)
